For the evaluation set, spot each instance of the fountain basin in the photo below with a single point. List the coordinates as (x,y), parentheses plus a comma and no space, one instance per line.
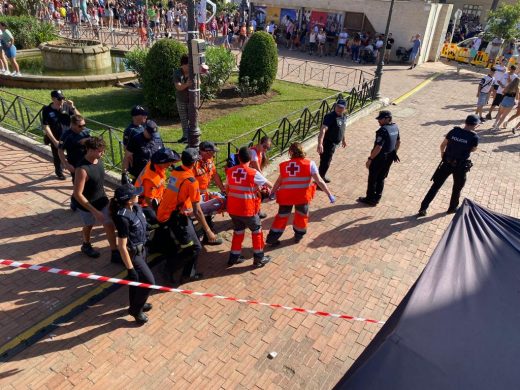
(75,55)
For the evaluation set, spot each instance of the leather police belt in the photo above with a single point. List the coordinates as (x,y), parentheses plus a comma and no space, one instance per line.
(466,164)
(137,250)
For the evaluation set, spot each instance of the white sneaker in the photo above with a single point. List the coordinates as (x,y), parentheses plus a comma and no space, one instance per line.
(14,73)
(17,74)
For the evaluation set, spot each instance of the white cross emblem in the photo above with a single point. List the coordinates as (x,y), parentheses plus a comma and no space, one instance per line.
(239,175)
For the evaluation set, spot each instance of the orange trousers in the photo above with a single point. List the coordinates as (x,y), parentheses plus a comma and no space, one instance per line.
(301,220)
(240,224)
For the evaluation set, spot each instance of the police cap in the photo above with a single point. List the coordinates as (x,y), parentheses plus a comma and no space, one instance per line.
(57,95)
(189,156)
(126,192)
(384,114)
(341,103)
(139,110)
(207,146)
(165,155)
(472,120)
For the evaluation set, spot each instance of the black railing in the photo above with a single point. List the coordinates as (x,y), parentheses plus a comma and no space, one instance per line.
(303,124)
(24,116)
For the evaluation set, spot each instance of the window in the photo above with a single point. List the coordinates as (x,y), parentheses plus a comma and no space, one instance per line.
(472,9)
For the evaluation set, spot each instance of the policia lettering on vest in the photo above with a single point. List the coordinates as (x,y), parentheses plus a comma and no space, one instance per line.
(295,187)
(383,154)
(455,152)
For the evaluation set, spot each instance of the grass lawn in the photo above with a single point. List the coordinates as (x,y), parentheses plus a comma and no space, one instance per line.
(112,107)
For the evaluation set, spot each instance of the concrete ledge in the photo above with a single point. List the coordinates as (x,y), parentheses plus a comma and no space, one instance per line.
(66,82)
(112,178)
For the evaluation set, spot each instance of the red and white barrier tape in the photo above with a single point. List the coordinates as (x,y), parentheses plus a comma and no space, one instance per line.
(100,278)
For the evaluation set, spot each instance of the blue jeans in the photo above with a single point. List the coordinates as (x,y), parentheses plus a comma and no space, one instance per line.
(355,53)
(342,47)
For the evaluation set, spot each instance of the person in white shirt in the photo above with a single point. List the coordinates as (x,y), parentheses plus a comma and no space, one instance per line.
(501,81)
(484,89)
(342,41)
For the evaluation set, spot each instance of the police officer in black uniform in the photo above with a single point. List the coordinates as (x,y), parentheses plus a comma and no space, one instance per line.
(332,133)
(383,154)
(139,116)
(55,121)
(455,151)
(141,147)
(131,232)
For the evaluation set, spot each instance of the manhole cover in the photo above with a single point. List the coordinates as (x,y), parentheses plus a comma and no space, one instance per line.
(404,113)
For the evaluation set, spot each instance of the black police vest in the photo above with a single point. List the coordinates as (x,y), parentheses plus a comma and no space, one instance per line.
(392,133)
(136,223)
(460,143)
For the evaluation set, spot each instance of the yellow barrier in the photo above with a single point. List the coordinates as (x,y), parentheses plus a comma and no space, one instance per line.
(445,50)
(453,49)
(481,59)
(463,55)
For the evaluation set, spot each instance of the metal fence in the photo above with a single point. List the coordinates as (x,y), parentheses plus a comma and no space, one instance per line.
(127,40)
(24,116)
(303,124)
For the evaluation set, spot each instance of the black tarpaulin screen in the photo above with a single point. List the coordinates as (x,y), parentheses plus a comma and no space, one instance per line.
(459,325)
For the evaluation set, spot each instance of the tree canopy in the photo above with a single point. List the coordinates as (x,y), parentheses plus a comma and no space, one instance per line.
(504,22)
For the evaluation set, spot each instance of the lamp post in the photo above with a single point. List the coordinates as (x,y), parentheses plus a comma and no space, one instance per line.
(381,62)
(194,91)
(458,15)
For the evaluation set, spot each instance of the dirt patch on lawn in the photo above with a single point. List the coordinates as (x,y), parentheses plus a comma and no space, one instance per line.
(226,102)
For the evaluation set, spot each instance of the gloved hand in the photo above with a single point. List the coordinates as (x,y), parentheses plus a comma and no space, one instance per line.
(132,275)
(332,198)
(124,178)
(396,158)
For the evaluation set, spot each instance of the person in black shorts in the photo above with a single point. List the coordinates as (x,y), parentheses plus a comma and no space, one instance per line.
(332,133)
(55,121)
(89,192)
(131,232)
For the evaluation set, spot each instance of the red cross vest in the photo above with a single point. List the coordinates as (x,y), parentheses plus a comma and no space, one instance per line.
(242,191)
(296,186)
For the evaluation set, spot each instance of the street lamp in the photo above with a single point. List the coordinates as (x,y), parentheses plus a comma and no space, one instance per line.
(458,15)
(379,69)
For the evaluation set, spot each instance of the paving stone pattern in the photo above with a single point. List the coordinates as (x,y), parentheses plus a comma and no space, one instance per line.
(355,260)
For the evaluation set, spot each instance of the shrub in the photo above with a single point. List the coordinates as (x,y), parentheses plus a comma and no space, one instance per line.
(221,63)
(135,61)
(162,60)
(246,87)
(29,32)
(259,61)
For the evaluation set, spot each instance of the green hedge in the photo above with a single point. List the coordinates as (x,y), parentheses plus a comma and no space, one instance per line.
(221,63)
(158,86)
(259,61)
(29,32)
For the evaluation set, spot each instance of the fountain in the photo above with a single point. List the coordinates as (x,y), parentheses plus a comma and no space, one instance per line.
(75,55)
(65,64)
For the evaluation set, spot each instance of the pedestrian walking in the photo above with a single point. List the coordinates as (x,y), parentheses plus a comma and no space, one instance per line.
(502,80)
(416,49)
(55,121)
(295,187)
(131,227)
(92,201)
(510,93)
(243,205)
(484,89)
(332,134)
(71,147)
(383,154)
(9,48)
(455,152)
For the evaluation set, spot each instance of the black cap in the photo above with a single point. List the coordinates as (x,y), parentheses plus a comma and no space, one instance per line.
(207,146)
(57,94)
(472,120)
(139,110)
(127,192)
(165,155)
(341,103)
(189,156)
(384,114)
(151,127)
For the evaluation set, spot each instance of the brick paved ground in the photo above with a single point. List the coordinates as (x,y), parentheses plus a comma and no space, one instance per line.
(356,260)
